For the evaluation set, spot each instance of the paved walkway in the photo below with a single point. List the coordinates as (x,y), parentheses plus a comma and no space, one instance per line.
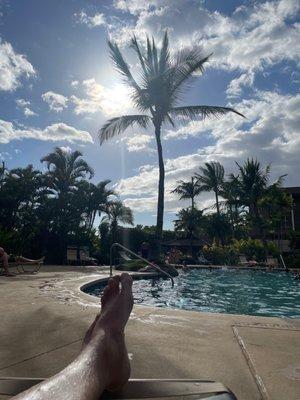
(44,317)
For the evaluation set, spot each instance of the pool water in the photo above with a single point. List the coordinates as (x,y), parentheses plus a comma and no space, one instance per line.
(262,293)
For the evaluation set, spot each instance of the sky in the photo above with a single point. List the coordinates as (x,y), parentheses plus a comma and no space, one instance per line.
(58,87)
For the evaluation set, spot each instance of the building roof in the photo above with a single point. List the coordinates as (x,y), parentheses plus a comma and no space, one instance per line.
(292,190)
(184,243)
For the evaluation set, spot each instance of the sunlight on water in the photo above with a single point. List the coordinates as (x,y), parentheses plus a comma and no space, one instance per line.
(232,292)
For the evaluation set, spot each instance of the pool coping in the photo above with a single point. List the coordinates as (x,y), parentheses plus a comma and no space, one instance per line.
(212,343)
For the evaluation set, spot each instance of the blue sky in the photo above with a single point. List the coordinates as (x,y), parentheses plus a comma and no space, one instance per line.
(57,87)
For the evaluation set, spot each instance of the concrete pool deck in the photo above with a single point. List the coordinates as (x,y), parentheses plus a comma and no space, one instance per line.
(44,317)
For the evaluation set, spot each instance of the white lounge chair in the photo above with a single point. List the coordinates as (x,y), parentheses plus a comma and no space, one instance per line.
(72,255)
(140,389)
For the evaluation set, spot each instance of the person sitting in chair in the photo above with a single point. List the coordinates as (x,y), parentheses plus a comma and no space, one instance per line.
(6,259)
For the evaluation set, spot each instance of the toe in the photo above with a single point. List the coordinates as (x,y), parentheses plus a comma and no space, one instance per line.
(105,295)
(126,283)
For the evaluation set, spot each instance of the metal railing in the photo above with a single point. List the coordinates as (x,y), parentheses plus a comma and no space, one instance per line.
(114,245)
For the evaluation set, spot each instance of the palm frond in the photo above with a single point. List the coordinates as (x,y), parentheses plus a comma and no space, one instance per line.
(135,46)
(164,56)
(201,112)
(117,125)
(188,62)
(121,65)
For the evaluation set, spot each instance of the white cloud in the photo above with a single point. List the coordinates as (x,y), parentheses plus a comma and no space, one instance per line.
(270,134)
(54,132)
(135,6)
(57,102)
(13,67)
(75,84)
(24,105)
(139,142)
(255,36)
(235,88)
(112,101)
(66,149)
(29,113)
(91,21)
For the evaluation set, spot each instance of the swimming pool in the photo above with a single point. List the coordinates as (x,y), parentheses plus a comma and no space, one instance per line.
(262,293)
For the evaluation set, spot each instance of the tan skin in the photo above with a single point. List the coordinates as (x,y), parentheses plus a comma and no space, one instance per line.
(103,363)
(4,259)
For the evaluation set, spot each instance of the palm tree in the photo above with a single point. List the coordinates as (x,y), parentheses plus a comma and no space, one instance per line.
(231,192)
(188,190)
(256,193)
(99,197)
(189,221)
(253,184)
(211,179)
(163,80)
(65,172)
(217,227)
(65,169)
(117,212)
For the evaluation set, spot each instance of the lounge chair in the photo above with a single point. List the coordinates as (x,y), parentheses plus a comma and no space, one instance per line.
(245,263)
(272,262)
(84,257)
(125,256)
(140,389)
(203,261)
(25,268)
(72,255)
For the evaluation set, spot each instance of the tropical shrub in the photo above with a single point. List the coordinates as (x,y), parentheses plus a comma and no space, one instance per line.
(220,255)
(133,265)
(254,248)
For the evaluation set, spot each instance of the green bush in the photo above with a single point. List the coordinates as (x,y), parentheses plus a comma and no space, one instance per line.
(133,265)
(220,255)
(293,260)
(254,248)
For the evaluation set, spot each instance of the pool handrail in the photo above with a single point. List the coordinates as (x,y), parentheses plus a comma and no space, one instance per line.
(116,244)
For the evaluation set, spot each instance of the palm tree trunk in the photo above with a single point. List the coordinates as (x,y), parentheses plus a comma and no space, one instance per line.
(193,203)
(161,189)
(193,195)
(217,203)
(218,212)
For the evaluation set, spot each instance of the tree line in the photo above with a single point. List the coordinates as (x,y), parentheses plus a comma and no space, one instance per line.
(43,213)
(246,204)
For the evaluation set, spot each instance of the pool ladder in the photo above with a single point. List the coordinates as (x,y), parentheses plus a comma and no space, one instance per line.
(114,245)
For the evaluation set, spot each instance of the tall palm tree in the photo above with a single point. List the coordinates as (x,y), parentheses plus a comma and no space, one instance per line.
(163,80)
(188,190)
(211,178)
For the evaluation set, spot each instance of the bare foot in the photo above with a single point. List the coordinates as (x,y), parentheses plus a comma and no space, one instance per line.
(117,303)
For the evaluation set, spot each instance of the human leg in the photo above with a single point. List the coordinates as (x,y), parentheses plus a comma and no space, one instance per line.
(103,362)
(6,265)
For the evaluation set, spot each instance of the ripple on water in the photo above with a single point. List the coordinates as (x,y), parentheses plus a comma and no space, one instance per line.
(223,291)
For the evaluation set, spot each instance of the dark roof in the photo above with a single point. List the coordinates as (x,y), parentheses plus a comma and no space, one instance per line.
(292,190)
(184,242)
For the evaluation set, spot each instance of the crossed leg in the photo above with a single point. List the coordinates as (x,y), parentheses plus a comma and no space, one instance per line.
(103,362)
